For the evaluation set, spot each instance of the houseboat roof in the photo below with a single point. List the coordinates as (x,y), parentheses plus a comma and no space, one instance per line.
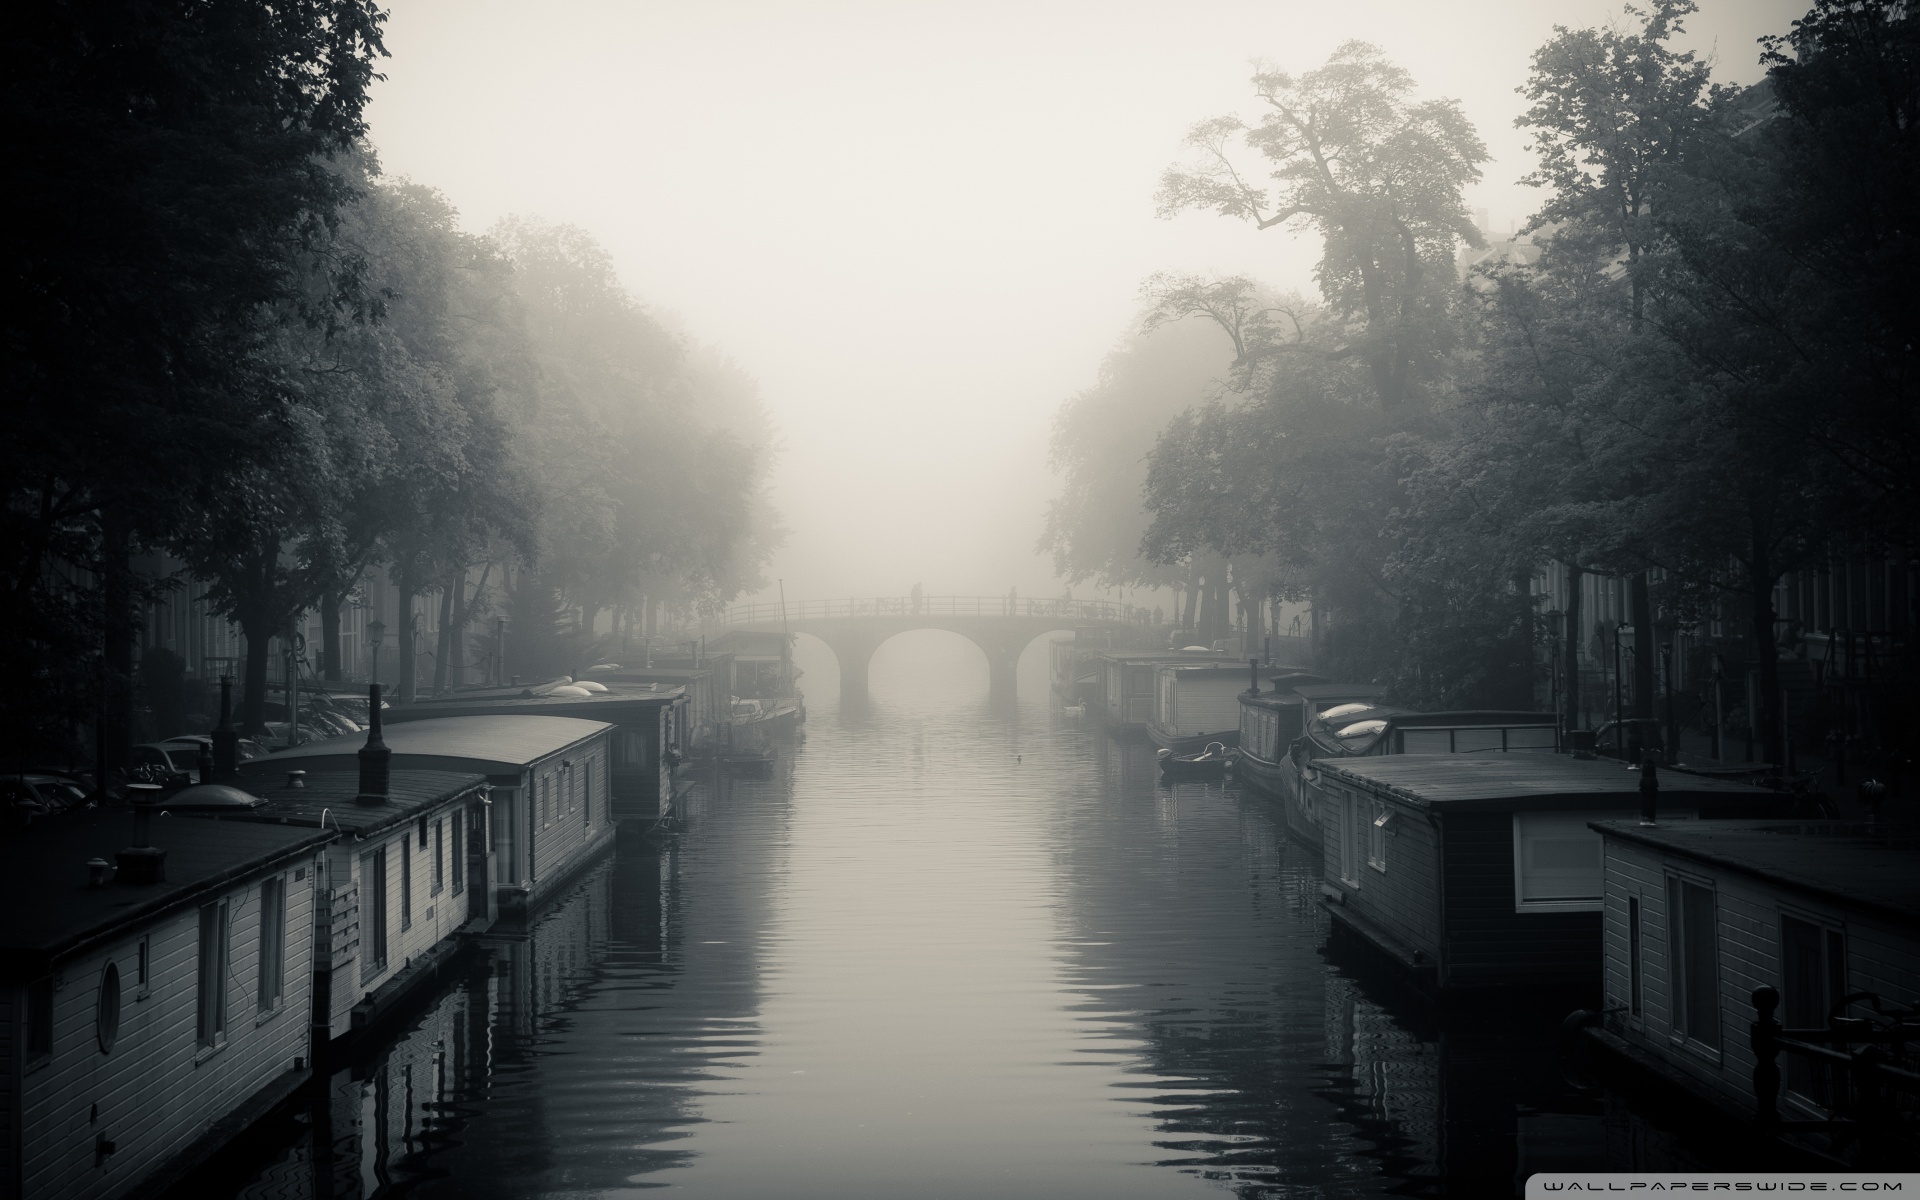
(1339,691)
(1471,718)
(525,700)
(327,797)
(53,908)
(1237,669)
(1150,658)
(1839,861)
(1510,781)
(493,743)
(1272,700)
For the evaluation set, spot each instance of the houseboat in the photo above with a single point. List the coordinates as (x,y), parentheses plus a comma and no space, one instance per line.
(1803,938)
(1128,684)
(1470,871)
(650,729)
(1269,723)
(410,870)
(760,682)
(549,777)
(1073,675)
(1368,730)
(156,997)
(695,728)
(1197,704)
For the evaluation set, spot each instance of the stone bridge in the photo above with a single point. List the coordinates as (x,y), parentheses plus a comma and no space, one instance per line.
(1002,626)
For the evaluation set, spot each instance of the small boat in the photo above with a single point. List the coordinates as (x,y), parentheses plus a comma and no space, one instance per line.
(1210,763)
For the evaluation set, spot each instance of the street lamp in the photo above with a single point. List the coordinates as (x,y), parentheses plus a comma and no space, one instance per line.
(376,633)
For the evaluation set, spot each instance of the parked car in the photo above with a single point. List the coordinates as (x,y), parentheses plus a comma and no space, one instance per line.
(168,764)
(30,795)
(247,747)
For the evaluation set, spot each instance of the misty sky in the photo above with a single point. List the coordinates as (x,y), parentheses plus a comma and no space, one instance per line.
(920,225)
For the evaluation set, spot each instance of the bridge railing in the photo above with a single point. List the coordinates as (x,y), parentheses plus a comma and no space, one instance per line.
(1071,611)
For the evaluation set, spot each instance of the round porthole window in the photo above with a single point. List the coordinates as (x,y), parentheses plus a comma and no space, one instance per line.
(108,1018)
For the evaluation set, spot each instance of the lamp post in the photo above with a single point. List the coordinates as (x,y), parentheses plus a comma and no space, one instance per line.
(376,633)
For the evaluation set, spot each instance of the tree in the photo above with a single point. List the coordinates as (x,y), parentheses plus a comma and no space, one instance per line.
(164,159)
(1379,177)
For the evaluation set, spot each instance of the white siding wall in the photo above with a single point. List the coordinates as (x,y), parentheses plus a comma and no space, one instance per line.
(1880,958)
(157,1091)
(569,825)
(435,916)
(1206,703)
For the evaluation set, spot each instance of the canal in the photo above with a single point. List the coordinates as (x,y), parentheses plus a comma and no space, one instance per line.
(951,950)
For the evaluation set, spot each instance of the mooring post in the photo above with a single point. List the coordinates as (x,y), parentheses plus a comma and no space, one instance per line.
(1764,1037)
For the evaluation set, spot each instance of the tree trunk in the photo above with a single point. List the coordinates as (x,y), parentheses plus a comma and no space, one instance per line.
(330,636)
(116,646)
(1646,644)
(409,585)
(1571,672)
(457,634)
(1760,581)
(443,642)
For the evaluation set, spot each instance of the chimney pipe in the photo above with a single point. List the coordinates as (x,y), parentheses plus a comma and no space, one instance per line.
(1649,789)
(1253,671)
(375,759)
(226,739)
(142,863)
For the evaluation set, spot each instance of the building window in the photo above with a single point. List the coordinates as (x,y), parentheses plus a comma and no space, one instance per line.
(273,941)
(210,1025)
(1556,862)
(439,857)
(373,913)
(1692,924)
(406,887)
(423,833)
(39,1018)
(1377,836)
(1633,955)
(106,1025)
(458,823)
(1813,979)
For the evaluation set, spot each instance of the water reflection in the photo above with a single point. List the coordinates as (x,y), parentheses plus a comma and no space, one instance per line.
(948,950)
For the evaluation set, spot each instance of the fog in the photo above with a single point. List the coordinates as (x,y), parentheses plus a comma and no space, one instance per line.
(920,226)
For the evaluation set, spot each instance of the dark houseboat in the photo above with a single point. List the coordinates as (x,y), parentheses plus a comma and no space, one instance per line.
(1128,683)
(1475,871)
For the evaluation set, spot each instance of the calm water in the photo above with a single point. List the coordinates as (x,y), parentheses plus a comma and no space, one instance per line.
(951,951)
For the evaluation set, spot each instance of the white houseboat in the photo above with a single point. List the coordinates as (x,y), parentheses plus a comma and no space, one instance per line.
(156,999)
(549,777)
(1196,704)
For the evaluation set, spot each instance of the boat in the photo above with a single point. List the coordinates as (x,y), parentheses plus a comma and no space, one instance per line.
(1196,704)
(1210,763)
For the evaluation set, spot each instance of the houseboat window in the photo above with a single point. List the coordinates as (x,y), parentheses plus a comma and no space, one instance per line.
(1426,741)
(107,1010)
(273,941)
(140,966)
(586,794)
(1478,741)
(210,1025)
(1377,837)
(40,1018)
(423,833)
(406,887)
(1556,862)
(373,913)
(1633,955)
(1691,930)
(459,866)
(438,880)
(1813,977)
